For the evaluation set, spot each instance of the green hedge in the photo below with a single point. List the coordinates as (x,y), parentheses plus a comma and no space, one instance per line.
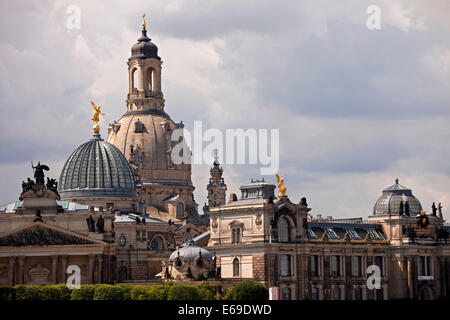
(55,292)
(167,291)
(183,292)
(250,290)
(86,292)
(27,292)
(206,291)
(7,293)
(108,292)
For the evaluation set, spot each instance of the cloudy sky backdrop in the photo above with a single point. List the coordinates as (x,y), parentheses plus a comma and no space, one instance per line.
(356,108)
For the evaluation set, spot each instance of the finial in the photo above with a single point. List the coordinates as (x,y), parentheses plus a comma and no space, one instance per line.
(144,24)
(396,181)
(96,116)
(216,155)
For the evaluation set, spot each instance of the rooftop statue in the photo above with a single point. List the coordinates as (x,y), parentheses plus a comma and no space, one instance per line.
(281,186)
(39,172)
(96,116)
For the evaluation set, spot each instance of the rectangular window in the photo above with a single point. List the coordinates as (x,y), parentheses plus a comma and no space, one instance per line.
(314,293)
(356,266)
(314,266)
(236,235)
(358,294)
(285,265)
(336,293)
(335,266)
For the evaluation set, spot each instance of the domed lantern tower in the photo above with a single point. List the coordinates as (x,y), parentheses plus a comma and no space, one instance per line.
(144,135)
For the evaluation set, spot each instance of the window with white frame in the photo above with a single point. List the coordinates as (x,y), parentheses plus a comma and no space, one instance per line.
(285,265)
(356,266)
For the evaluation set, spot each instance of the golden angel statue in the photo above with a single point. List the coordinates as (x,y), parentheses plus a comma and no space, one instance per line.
(281,186)
(96,116)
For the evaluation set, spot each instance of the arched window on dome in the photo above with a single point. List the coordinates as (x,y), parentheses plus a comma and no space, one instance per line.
(180,211)
(236,267)
(150,79)
(283,230)
(133,80)
(157,244)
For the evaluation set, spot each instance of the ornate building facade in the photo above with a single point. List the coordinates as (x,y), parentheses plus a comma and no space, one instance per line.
(279,243)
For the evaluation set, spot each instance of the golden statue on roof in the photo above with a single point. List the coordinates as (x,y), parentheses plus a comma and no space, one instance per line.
(281,186)
(144,24)
(96,116)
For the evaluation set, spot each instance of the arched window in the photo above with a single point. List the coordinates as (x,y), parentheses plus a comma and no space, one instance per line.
(133,79)
(235,267)
(157,244)
(283,230)
(150,74)
(180,210)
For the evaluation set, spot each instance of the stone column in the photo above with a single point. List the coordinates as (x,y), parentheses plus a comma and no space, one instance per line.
(91,269)
(364,292)
(11,267)
(410,277)
(321,293)
(385,292)
(54,269)
(140,78)
(21,270)
(342,291)
(100,268)
(321,267)
(64,259)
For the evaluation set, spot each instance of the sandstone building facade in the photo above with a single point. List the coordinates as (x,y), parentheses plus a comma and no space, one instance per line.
(279,243)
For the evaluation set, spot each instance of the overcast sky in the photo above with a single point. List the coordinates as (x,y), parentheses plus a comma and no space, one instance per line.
(356,108)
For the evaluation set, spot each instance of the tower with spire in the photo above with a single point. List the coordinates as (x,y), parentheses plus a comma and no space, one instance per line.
(216,186)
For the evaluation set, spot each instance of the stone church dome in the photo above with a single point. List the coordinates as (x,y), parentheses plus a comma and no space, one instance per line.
(393,198)
(96,169)
(144,48)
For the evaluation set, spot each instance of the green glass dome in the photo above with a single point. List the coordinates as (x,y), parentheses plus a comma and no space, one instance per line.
(96,169)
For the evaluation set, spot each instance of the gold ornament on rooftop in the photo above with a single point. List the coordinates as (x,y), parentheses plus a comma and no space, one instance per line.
(144,24)
(281,186)
(96,116)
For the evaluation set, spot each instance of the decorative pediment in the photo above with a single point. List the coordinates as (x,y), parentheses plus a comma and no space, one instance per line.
(40,234)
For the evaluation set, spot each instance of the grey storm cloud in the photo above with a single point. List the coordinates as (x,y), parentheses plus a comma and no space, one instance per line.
(355,108)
